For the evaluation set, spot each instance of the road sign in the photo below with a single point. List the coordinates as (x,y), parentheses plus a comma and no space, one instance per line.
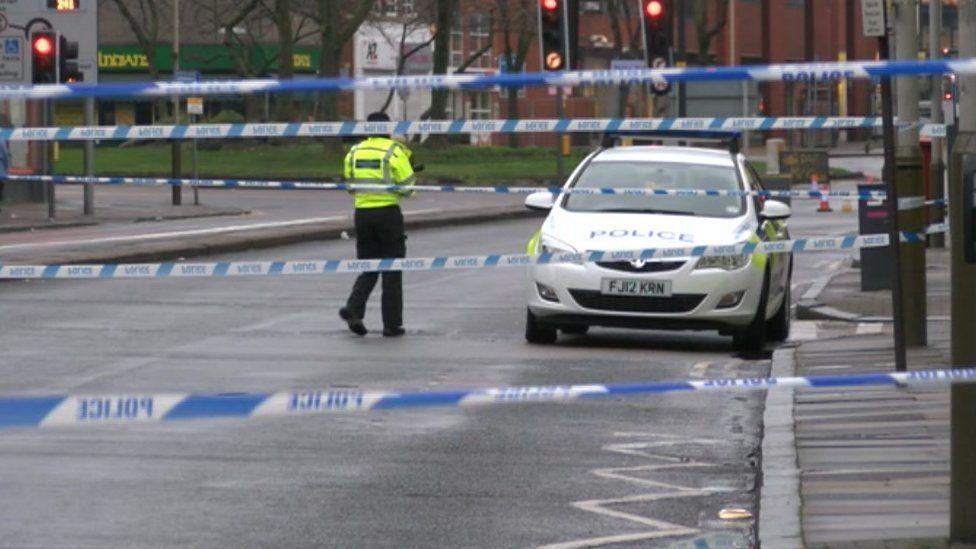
(12,60)
(872,18)
(75,21)
(660,87)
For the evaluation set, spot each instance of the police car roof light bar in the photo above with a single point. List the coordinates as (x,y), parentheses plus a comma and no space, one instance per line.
(727,139)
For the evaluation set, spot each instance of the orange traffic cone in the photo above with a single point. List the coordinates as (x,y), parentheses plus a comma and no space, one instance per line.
(824,202)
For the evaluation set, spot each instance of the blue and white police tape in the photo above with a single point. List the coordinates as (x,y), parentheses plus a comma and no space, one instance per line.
(142,408)
(497,189)
(223,269)
(791,72)
(342,129)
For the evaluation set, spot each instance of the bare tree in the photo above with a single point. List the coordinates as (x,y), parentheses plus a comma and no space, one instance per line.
(338,21)
(143,19)
(245,29)
(442,58)
(400,30)
(516,20)
(705,30)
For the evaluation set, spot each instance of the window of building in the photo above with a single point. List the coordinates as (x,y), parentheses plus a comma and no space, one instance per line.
(479,29)
(480,106)
(457,42)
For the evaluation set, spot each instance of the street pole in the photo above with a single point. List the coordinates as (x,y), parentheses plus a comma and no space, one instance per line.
(177,148)
(962,515)
(894,234)
(936,167)
(560,114)
(682,60)
(89,158)
(47,158)
(908,177)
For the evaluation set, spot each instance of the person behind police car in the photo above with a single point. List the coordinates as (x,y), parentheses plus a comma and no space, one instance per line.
(378,159)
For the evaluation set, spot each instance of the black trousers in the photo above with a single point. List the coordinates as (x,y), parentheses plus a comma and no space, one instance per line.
(379,234)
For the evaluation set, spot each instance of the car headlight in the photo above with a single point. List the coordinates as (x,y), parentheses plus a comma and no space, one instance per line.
(550,245)
(724,262)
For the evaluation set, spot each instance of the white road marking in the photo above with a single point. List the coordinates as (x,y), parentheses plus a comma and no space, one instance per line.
(816,288)
(662,490)
(699,370)
(869,328)
(178,234)
(803,330)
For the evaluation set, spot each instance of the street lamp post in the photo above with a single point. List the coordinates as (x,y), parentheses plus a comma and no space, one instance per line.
(177,149)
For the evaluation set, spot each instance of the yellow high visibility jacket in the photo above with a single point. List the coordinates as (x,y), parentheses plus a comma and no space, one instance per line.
(379,161)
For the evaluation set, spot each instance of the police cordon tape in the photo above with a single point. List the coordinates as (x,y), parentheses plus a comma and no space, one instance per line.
(142,408)
(831,73)
(906,203)
(344,129)
(223,269)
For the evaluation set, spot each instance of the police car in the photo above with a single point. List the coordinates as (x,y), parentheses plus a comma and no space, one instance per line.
(747,297)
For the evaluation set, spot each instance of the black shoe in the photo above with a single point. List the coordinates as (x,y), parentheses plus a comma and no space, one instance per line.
(355,323)
(394,332)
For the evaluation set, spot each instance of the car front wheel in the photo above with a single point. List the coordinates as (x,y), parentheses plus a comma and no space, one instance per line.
(538,333)
(752,338)
(778,327)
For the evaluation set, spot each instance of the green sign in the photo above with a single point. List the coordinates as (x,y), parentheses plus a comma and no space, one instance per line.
(207,58)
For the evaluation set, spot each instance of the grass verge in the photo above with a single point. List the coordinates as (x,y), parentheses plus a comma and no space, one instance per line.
(456,163)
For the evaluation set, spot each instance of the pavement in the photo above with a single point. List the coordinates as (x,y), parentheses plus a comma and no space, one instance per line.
(858,467)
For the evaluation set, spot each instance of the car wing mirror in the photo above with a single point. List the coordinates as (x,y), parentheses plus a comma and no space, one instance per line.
(774,210)
(542,201)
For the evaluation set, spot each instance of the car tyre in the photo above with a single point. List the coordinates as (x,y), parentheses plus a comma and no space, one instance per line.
(752,338)
(577,330)
(778,327)
(537,333)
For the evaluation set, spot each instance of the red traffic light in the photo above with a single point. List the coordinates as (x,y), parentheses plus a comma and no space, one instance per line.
(654,9)
(43,45)
(550,5)
(948,96)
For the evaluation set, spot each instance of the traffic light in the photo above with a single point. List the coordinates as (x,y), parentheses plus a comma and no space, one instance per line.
(656,17)
(559,34)
(68,70)
(44,57)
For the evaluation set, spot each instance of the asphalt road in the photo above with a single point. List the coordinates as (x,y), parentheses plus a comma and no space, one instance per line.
(641,472)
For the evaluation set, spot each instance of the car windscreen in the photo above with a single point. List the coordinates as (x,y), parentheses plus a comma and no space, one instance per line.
(657,175)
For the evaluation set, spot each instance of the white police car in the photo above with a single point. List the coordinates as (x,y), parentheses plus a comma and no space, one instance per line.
(747,297)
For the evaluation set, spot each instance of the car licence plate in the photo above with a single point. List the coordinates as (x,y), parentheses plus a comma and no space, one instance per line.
(635,287)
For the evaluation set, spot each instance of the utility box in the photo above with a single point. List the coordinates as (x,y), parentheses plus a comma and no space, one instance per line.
(873,218)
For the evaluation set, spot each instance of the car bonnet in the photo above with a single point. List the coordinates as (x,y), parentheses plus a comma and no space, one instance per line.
(586,231)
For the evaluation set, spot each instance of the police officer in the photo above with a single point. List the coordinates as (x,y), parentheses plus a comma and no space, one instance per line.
(379,224)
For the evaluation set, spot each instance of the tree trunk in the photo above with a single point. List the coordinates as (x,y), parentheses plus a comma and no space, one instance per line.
(329,58)
(286,55)
(442,57)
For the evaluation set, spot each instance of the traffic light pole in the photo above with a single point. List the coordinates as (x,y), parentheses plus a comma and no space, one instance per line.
(177,147)
(47,160)
(936,166)
(560,114)
(89,158)
(894,234)
(682,60)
